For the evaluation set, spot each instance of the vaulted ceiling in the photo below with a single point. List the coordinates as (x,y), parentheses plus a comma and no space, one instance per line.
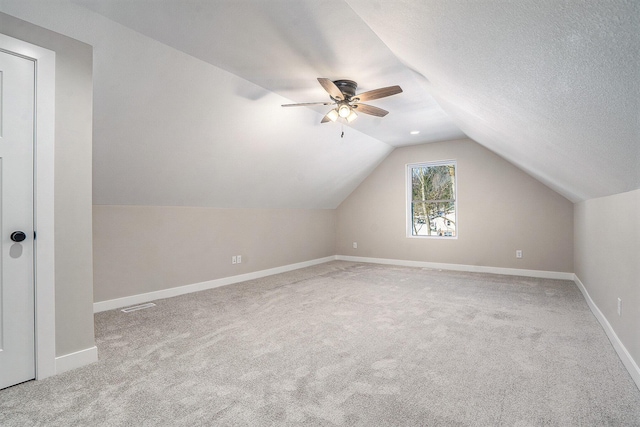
(187,94)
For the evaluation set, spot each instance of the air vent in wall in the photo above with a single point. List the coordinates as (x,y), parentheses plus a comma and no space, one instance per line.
(138,307)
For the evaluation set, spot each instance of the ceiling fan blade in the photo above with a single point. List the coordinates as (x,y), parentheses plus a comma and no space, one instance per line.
(370,109)
(307,103)
(378,93)
(331,88)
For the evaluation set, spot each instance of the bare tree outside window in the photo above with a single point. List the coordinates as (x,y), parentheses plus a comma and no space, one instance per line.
(432,199)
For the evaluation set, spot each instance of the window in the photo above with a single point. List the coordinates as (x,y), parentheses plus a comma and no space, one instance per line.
(431,198)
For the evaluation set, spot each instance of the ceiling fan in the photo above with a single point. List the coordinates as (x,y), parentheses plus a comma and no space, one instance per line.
(347,103)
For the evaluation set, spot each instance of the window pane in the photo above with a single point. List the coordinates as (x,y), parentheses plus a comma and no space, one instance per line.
(434,219)
(433,183)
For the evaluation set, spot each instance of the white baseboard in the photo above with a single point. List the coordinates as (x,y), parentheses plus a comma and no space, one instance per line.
(76,360)
(462,267)
(181,290)
(210,284)
(624,355)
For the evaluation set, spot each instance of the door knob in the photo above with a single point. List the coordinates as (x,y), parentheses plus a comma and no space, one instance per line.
(18,236)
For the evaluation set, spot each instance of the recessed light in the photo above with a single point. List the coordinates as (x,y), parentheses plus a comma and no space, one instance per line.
(415,132)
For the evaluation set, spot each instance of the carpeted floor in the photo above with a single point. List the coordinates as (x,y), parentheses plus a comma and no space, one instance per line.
(346,344)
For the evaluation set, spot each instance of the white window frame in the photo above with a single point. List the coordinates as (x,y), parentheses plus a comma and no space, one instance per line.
(408,204)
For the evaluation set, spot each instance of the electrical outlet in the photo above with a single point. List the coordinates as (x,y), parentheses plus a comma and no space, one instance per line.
(619,306)
(355,245)
(234,260)
(518,253)
(239,258)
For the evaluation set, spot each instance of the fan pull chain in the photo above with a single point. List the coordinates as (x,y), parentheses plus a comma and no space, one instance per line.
(342,129)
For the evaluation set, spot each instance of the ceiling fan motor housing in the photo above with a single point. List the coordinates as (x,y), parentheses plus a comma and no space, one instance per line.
(347,87)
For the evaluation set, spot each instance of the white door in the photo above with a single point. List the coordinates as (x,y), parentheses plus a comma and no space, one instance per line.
(17,91)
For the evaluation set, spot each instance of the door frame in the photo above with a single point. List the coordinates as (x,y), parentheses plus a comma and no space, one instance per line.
(44,244)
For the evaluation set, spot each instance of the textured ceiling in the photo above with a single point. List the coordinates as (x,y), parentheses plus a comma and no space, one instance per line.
(552,86)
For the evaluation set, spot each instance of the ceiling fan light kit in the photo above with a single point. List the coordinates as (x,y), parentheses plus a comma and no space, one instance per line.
(343,94)
(344,111)
(333,115)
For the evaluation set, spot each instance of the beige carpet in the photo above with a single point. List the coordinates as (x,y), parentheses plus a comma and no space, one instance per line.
(346,344)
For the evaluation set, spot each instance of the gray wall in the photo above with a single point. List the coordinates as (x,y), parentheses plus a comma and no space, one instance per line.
(73,229)
(500,209)
(607,260)
(139,249)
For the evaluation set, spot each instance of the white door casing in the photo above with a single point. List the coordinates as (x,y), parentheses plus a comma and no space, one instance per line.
(44,250)
(17,304)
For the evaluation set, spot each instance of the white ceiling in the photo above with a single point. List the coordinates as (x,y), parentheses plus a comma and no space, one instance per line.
(283,46)
(553,86)
(187,93)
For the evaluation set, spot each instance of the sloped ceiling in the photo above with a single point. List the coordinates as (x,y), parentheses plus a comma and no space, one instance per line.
(187,94)
(551,85)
